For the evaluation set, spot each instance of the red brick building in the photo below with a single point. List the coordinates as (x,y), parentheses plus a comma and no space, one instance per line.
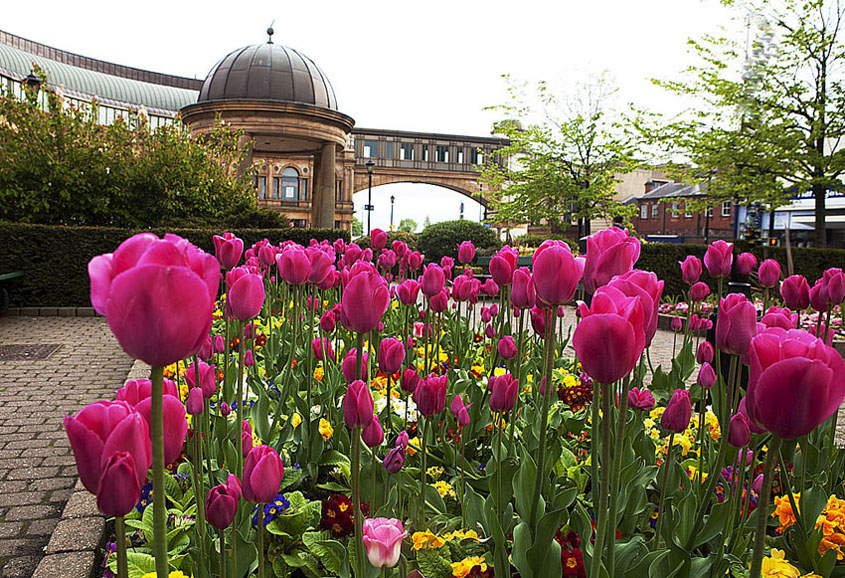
(662,214)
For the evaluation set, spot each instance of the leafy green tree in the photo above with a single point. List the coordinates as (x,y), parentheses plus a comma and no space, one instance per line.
(564,156)
(769,118)
(59,166)
(357,227)
(426,222)
(408,225)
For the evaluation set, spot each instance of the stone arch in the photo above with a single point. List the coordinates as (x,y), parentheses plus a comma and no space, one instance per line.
(466,187)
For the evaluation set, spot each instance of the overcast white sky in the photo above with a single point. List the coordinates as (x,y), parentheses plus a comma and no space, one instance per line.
(425,66)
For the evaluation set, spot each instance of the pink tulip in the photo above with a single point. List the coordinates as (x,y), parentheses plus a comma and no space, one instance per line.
(102,429)
(378,239)
(383,539)
(136,390)
(523,293)
(490,288)
(246,438)
(502,266)
(745,263)
(706,376)
(322,266)
(399,247)
(207,378)
(157,295)
(263,473)
(318,345)
(358,405)
(118,489)
(677,323)
(466,252)
(267,253)
(556,272)
(795,292)
(410,380)
(327,322)
(611,335)
(394,460)
(228,250)
(249,358)
(489,331)
(175,424)
(705,352)
(439,302)
(757,484)
(206,352)
(387,260)
(699,292)
(678,412)
(463,417)
(294,265)
(219,344)
(819,298)
(641,399)
(194,403)
(364,301)
(456,405)
(245,297)
(780,317)
(391,355)
(225,409)
(430,395)
(432,280)
(736,324)
(408,291)
(348,366)
(719,259)
(834,281)
(610,252)
(372,434)
(796,382)
(691,269)
(538,321)
(415,260)
(739,434)
(221,503)
(769,273)
(503,392)
(649,289)
(506,347)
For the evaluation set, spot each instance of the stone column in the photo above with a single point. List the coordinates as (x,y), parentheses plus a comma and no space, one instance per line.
(325,203)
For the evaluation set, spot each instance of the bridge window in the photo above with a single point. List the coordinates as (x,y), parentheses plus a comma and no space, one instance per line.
(459,157)
(370,149)
(406,151)
(260,184)
(441,154)
(425,153)
(388,150)
(286,188)
(476,157)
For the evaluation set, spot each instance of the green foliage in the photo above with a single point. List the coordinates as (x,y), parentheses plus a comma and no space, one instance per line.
(442,239)
(407,225)
(55,259)
(357,227)
(59,166)
(410,239)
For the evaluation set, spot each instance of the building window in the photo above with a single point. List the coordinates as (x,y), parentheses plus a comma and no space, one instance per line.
(674,210)
(288,185)
(726,209)
(644,211)
(687,212)
(655,210)
(459,156)
(425,153)
(303,189)
(406,151)
(260,184)
(441,154)
(476,157)
(370,149)
(709,212)
(388,150)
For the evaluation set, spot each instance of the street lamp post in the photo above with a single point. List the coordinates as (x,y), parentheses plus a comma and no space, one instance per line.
(392,198)
(369,207)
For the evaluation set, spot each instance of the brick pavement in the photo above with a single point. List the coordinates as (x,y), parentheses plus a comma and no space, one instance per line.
(37,469)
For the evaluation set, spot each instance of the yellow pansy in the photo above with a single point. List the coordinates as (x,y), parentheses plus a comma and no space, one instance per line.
(461,569)
(427,540)
(295,420)
(326,429)
(444,489)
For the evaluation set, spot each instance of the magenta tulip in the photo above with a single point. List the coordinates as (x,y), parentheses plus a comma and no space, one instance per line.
(677,323)
(503,392)
(228,250)
(219,344)
(221,504)
(399,247)
(322,265)
(538,321)
(834,281)
(206,352)
(245,297)
(378,239)
(394,460)
(328,322)
(463,417)
(294,265)
(194,404)
(319,345)
(705,352)
(706,376)
(383,539)
(796,382)
(358,405)
(119,489)
(745,263)
(719,259)
(490,288)
(430,395)
(502,266)
(246,438)
(506,347)
(391,355)
(752,425)
(410,380)
(466,252)
(736,324)
(263,473)
(610,337)
(641,399)
(795,292)
(408,291)
(225,409)
(136,390)
(523,292)
(157,295)
(769,273)
(691,269)
(364,301)
(439,302)
(456,405)
(739,435)
(699,292)
(649,289)
(175,424)
(249,358)
(610,252)
(432,280)
(780,317)
(372,434)
(555,272)
(678,412)
(102,429)
(819,298)
(349,364)
(207,378)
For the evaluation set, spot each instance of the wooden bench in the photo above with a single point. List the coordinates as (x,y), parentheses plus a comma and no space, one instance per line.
(4,295)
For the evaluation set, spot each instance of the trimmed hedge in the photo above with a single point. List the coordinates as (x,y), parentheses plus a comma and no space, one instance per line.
(410,239)
(442,239)
(664,259)
(55,259)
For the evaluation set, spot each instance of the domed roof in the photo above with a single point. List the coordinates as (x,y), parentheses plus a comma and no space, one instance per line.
(269,72)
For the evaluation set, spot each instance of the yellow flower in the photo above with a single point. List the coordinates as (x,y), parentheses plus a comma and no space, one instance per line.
(318,373)
(174,574)
(427,540)
(461,535)
(444,489)
(776,566)
(326,429)
(296,419)
(461,569)
(413,446)
(831,523)
(434,471)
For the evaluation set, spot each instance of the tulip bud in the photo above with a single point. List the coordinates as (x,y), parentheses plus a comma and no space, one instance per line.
(523,293)
(699,292)
(739,435)
(819,298)
(736,324)
(246,438)
(225,410)
(327,322)
(430,395)
(795,292)
(219,344)
(506,347)
(538,321)
(402,439)
(194,403)
(757,484)
(490,331)
(378,239)
(719,259)
(358,405)
(556,272)
(463,417)
(677,323)
(249,358)
(466,252)
(372,434)
(263,473)
(490,288)
(348,366)
(745,263)
(706,376)
(220,506)
(769,273)
(206,352)
(704,353)
(318,345)
(504,390)
(410,380)
(641,399)
(486,316)
(456,405)
(678,412)
(118,489)
(433,280)
(691,269)
(394,460)
(245,297)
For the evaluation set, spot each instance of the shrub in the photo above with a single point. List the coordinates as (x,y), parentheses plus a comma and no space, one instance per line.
(410,239)
(55,259)
(442,239)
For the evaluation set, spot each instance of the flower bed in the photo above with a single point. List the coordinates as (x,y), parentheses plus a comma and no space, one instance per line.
(339,412)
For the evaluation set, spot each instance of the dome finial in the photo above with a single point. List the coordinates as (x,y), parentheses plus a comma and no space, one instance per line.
(270,32)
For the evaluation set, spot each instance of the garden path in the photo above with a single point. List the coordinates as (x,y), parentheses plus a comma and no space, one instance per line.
(37,469)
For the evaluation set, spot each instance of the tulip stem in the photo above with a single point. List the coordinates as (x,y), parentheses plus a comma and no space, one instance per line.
(260,540)
(356,490)
(463,482)
(120,540)
(763,507)
(544,417)
(198,490)
(159,503)
(421,506)
(359,360)
(222,537)
(602,526)
(240,401)
(617,473)
(518,371)
(661,508)
(373,482)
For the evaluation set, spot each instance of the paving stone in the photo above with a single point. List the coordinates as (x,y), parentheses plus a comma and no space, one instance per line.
(76,534)
(68,565)
(81,504)
(22,567)
(43,527)
(31,512)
